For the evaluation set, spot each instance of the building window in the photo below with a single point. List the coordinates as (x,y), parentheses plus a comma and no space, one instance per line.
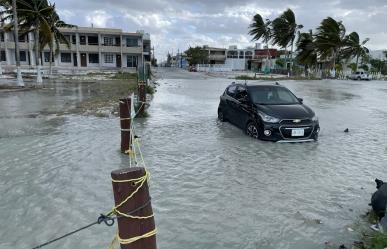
(65,57)
(109,58)
(23,56)
(47,57)
(2,36)
(249,55)
(67,37)
(82,40)
(94,58)
(108,41)
(3,56)
(93,40)
(232,54)
(131,61)
(22,38)
(118,41)
(131,42)
(74,39)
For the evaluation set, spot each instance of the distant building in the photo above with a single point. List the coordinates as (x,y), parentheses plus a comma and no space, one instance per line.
(215,55)
(235,59)
(239,59)
(90,48)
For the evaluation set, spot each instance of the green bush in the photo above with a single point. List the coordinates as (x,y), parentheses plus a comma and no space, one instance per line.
(149,89)
(244,77)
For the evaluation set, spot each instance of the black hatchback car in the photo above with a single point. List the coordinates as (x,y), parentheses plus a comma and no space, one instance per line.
(268,112)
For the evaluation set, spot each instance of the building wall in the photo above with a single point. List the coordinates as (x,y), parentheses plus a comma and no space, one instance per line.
(236,64)
(83,41)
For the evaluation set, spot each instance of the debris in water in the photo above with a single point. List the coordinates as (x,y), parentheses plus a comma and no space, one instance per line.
(346,130)
(308,220)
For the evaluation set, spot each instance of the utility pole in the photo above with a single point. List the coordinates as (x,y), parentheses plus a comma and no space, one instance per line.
(17,55)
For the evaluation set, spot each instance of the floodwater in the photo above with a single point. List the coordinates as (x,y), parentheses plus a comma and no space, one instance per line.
(212,187)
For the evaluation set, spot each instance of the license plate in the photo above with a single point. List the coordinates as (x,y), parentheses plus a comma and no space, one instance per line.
(298,132)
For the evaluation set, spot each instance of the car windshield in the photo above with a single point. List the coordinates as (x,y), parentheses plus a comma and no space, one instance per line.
(271,95)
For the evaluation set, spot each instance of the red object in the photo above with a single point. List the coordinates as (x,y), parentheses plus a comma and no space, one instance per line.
(263,53)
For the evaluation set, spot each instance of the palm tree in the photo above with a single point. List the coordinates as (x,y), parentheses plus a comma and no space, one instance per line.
(31,18)
(34,15)
(10,13)
(260,29)
(329,40)
(306,50)
(285,30)
(353,48)
(55,37)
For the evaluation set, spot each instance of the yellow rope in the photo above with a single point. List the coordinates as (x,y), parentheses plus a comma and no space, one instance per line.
(129,152)
(132,216)
(139,181)
(117,238)
(134,239)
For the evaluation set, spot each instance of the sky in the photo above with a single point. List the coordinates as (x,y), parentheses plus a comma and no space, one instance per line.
(175,25)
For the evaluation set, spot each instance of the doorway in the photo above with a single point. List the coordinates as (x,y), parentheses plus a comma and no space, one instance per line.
(118,60)
(83,60)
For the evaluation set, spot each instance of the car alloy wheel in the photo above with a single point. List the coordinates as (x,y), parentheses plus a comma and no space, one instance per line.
(221,116)
(252,130)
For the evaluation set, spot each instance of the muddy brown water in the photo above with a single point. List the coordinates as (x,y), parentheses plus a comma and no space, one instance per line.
(212,187)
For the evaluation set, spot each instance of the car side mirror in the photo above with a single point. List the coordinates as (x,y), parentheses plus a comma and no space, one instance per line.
(301,100)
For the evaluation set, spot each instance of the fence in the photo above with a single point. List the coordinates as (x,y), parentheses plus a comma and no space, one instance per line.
(213,68)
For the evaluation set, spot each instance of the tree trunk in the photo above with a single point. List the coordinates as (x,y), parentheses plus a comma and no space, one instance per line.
(357,62)
(17,49)
(334,65)
(291,58)
(51,46)
(286,59)
(39,79)
(1,69)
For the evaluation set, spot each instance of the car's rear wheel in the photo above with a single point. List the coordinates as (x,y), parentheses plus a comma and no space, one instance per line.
(221,116)
(252,130)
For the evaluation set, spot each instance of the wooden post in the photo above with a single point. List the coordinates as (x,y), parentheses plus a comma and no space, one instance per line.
(128,227)
(125,109)
(141,97)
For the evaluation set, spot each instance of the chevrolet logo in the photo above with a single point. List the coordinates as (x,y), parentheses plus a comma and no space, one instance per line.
(297,121)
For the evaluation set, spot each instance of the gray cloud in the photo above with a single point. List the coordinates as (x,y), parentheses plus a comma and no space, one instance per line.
(176,24)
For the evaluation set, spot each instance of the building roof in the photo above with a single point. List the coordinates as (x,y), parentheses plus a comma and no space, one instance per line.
(100,30)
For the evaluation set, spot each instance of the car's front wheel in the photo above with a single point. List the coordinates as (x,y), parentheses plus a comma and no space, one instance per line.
(221,116)
(252,130)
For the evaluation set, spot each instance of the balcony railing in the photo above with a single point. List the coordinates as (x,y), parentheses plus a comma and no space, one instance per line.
(111,45)
(217,57)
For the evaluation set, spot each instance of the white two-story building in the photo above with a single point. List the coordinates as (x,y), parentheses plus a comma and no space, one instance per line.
(90,49)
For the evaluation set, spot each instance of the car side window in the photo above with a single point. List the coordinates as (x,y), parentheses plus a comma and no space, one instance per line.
(241,92)
(231,90)
(284,96)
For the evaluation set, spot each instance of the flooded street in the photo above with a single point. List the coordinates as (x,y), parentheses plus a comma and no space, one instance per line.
(212,187)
